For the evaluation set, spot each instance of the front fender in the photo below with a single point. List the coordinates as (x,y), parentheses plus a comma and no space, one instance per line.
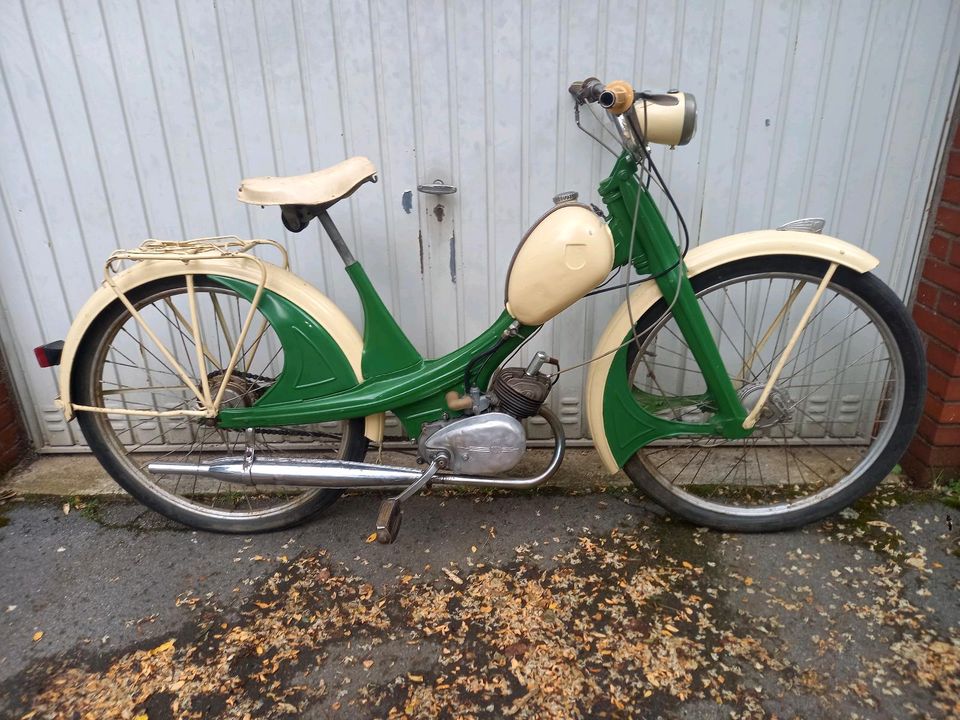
(699,259)
(279,281)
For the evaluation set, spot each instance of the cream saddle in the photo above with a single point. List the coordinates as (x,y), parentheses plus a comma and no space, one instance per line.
(321,188)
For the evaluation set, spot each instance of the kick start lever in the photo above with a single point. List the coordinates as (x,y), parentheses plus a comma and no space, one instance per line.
(391,512)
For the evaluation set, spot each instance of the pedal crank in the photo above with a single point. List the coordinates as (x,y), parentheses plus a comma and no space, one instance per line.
(391,510)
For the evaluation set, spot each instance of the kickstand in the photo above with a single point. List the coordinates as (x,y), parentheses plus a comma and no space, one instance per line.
(391,512)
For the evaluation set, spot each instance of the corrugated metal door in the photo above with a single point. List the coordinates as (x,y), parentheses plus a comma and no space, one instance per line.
(124,120)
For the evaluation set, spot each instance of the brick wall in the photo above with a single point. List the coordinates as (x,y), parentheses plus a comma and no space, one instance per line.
(13,439)
(935,451)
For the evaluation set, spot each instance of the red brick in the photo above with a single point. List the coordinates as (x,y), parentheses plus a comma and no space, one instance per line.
(944,358)
(919,449)
(945,465)
(944,387)
(949,306)
(951,190)
(944,329)
(939,247)
(948,218)
(947,276)
(943,457)
(947,413)
(927,294)
(936,433)
(919,473)
(9,415)
(953,164)
(954,258)
(12,456)
(10,437)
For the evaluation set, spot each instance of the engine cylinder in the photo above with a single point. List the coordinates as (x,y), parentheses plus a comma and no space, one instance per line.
(518,393)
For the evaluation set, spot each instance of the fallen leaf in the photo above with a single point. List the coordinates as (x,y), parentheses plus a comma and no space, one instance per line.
(371,537)
(37,635)
(368,663)
(687,565)
(748,581)
(168,645)
(453,576)
(415,678)
(916,562)
(66,508)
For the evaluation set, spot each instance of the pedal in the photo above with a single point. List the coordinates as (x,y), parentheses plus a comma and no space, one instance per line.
(388,521)
(391,509)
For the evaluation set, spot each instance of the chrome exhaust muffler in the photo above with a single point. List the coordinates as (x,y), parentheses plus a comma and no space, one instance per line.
(293,471)
(345,475)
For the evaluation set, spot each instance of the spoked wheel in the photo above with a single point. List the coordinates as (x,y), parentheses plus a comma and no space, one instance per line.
(119,367)
(837,421)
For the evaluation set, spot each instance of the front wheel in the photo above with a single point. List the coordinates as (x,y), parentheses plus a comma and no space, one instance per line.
(837,421)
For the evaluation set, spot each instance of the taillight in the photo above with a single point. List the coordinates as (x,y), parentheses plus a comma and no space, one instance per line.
(49,355)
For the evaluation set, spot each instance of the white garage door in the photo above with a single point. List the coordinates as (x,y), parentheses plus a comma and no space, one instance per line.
(123,120)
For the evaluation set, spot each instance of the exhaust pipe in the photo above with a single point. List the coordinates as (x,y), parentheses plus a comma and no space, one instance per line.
(293,471)
(345,475)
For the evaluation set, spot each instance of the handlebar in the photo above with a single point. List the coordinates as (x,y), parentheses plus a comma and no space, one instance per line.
(617,97)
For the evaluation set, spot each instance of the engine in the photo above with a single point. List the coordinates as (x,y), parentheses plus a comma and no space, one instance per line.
(492,440)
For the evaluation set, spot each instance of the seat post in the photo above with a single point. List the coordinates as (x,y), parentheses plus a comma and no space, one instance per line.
(336,237)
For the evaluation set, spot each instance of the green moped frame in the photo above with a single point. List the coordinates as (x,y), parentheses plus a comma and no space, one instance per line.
(317,383)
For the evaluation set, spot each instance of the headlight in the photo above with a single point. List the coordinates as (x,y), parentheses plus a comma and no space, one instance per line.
(667,118)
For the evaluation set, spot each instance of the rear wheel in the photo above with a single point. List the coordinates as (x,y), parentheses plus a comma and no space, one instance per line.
(837,421)
(118,367)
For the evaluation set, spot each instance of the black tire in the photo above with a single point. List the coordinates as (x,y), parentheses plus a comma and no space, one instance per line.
(138,483)
(874,293)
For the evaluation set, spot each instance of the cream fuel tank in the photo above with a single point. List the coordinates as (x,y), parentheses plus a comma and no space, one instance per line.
(565,255)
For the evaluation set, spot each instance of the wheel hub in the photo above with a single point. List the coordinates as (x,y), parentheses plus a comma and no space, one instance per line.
(776,410)
(239,391)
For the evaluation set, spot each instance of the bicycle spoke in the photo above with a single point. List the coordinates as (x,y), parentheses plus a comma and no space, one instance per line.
(795,454)
(151,384)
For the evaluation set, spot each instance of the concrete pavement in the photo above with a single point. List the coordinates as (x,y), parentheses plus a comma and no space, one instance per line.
(528,605)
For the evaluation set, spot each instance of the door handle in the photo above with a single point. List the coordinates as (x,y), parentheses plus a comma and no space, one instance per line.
(437,187)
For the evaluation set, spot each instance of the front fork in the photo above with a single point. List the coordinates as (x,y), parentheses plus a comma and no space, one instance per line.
(729,413)
(656,252)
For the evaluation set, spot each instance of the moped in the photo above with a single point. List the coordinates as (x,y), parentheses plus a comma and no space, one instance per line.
(753,383)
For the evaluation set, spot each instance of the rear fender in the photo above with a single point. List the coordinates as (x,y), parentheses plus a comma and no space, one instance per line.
(344,337)
(698,260)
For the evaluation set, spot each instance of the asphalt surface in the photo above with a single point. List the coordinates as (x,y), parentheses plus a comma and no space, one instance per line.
(535,605)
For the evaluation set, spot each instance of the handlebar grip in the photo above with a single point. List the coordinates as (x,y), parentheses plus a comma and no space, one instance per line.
(586,91)
(617,97)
